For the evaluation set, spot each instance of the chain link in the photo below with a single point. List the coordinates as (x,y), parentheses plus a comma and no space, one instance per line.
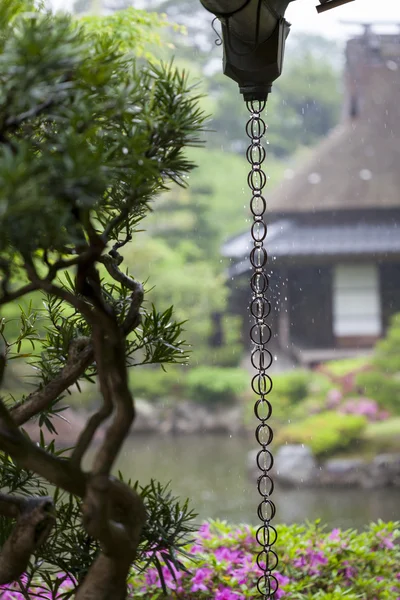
(261,357)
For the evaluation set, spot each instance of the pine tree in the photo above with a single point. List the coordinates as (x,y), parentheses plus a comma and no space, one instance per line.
(87,141)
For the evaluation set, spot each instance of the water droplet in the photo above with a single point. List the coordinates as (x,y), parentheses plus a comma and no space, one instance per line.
(314,178)
(365,174)
(125,150)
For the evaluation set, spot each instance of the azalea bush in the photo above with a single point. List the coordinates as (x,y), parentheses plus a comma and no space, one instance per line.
(313,564)
(325,433)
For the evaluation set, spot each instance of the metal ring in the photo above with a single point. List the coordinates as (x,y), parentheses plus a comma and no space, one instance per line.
(265,485)
(264,434)
(262,403)
(258,212)
(270,586)
(256,180)
(259,283)
(258,257)
(267,560)
(260,334)
(266,510)
(261,357)
(261,384)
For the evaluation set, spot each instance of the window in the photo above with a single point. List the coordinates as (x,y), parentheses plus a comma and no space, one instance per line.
(356,301)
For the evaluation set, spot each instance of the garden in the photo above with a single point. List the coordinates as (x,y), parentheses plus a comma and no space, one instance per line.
(219,563)
(90,140)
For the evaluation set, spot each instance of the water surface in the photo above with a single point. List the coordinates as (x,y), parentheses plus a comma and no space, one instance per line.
(211,471)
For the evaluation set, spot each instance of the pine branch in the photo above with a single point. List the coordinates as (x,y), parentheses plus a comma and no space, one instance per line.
(106,409)
(80,356)
(35,518)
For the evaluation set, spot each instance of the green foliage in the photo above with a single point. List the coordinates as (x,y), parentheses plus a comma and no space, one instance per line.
(306,101)
(135,124)
(325,433)
(88,139)
(343,367)
(382,382)
(157,384)
(135,30)
(382,388)
(293,385)
(213,385)
(313,564)
(387,353)
(69,552)
(383,436)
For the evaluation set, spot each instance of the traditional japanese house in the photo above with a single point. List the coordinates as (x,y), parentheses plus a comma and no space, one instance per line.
(334,224)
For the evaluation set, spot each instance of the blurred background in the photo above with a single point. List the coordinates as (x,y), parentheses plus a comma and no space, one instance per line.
(333,166)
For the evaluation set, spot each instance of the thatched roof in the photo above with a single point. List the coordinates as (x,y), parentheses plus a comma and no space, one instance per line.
(358,165)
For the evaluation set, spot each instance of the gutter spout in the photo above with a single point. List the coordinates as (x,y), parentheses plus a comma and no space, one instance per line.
(254,33)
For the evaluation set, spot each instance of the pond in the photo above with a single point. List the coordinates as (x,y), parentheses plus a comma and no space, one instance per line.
(211,471)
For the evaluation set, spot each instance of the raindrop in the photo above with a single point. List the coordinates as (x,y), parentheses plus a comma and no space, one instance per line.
(392,65)
(314,178)
(125,150)
(365,174)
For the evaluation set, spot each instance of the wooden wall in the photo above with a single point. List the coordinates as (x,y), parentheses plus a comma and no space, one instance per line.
(310,301)
(390,290)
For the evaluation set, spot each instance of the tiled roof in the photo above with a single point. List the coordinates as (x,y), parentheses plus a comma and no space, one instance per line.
(358,165)
(288,239)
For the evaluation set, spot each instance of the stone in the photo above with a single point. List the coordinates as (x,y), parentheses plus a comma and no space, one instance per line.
(148,416)
(385,470)
(295,464)
(343,472)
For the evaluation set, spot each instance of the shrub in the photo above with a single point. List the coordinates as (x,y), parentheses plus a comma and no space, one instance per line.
(387,356)
(211,385)
(313,564)
(156,384)
(383,388)
(293,385)
(363,406)
(319,384)
(383,436)
(324,433)
(341,368)
(306,408)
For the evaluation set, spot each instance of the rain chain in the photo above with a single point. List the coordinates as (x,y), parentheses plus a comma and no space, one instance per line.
(261,357)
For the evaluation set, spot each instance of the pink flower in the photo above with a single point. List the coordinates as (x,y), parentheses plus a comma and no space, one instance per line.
(334,535)
(204,531)
(225,593)
(348,572)
(311,561)
(386,541)
(228,554)
(333,398)
(202,576)
(361,406)
(152,577)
